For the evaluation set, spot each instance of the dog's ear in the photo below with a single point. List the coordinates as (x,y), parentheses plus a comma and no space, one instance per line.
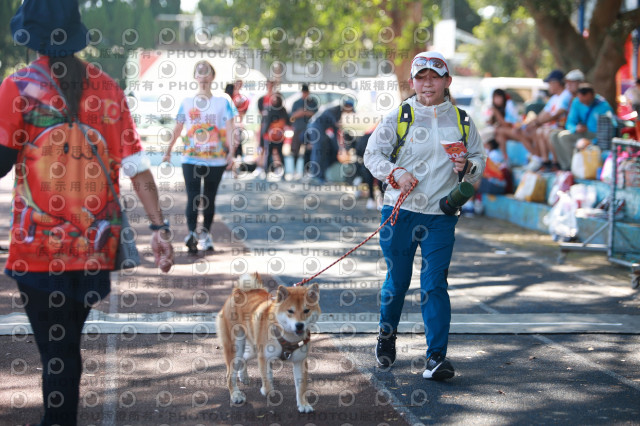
(281,293)
(313,294)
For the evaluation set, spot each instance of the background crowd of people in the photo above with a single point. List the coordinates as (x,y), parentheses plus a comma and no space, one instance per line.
(550,134)
(570,113)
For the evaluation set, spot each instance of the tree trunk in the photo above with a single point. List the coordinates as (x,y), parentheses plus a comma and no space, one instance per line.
(603,74)
(400,18)
(601,54)
(562,36)
(604,14)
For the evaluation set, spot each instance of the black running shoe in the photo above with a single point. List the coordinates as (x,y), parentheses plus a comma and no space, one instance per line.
(192,243)
(386,349)
(438,368)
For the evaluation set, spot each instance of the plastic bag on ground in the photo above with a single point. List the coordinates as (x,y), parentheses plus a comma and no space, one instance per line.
(561,219)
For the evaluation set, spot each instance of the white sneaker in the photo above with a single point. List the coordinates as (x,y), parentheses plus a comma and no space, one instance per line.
(467,209)
(534,164)
(478,208)
(259,173)
(191,241)
(207,243)
(371,204)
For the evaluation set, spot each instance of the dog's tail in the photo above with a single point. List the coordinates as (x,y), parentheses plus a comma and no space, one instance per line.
(250,281)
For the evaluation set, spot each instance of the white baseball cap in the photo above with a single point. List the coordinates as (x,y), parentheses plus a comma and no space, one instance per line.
(431,60)
(574,75)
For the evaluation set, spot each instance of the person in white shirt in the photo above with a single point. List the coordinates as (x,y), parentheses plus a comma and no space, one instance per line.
(208,151)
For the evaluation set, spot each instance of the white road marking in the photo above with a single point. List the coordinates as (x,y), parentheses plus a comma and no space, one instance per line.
(111,360)
(114,323)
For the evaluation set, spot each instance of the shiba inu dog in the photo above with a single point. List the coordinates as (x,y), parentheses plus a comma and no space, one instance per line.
(253,324)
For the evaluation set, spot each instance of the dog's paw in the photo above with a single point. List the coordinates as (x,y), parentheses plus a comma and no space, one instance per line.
(266,390)
(305,408)
(238,398)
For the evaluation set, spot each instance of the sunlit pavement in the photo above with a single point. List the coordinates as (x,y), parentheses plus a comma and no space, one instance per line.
(532,341)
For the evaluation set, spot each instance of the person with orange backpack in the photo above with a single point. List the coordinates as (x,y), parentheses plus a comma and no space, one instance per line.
(66,126)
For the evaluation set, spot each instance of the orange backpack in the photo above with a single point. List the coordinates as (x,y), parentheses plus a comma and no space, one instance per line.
(68,216)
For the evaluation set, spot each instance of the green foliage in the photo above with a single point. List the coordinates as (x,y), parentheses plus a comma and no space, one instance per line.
(467,18)
(508,7)
(511,45)
(323,27)
(120,26)
(164,6)
(10,55)
(552,8)
(117,26)
(599,56)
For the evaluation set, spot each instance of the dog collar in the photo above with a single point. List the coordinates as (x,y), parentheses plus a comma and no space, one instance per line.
(288,348)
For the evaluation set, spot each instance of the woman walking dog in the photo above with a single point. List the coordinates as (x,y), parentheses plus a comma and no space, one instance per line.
(421,161)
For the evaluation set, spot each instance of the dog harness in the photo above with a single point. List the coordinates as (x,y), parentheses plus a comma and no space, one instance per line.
(288,348)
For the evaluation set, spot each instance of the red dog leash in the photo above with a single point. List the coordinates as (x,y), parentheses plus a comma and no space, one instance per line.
(393,217)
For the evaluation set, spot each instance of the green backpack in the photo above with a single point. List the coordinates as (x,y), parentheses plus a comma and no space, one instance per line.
(406,118)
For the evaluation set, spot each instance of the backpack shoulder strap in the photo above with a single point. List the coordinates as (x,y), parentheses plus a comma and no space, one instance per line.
(405,120)
(53,83)
(47,75)
(463,124)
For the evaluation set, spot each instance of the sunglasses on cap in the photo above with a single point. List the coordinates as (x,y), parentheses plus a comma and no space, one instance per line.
(436,64)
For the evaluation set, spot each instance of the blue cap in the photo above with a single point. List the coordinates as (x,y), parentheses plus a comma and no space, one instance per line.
(556,75)
(52,28)
(349,102)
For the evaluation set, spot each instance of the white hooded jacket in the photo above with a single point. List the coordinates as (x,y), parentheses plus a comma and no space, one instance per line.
(423,155)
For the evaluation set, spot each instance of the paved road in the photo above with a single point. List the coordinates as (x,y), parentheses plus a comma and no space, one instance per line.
(532,341)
